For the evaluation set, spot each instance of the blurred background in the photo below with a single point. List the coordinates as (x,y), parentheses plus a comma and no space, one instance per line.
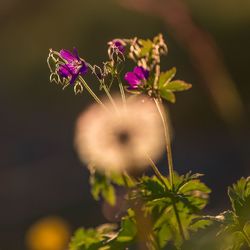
(44,188)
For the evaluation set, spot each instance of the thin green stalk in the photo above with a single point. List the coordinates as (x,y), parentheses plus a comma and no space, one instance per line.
(246,237)
(179,221)
(91,92)
(109,96)
(167,142)
(157,172)
(170,162)
(122,91)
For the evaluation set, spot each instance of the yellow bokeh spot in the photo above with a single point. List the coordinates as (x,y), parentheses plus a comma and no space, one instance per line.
(50,233)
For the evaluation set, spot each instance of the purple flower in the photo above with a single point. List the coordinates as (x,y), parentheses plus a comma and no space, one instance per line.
(136,77)
(73,67)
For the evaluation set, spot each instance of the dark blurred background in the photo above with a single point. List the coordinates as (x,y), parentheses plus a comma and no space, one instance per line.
(40,174)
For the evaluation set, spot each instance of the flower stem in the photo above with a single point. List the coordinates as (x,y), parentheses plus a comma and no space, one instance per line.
(122,91)
(91,92)
(157,172)
(170,162)
(178,221)
(167,141)
(109,96)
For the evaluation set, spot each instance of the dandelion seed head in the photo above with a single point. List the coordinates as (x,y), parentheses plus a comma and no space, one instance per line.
(120,139)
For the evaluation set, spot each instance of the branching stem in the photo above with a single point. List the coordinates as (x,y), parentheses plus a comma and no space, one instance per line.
(103,85)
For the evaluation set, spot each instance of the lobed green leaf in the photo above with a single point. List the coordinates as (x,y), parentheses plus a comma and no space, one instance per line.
(177,85)
(166,77)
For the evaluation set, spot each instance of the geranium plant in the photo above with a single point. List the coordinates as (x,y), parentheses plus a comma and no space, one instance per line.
(121,135)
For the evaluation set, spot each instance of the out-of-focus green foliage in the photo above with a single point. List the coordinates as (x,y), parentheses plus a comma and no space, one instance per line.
(229,230)
(189,195)
(101,186)
(233,225)
(105,237)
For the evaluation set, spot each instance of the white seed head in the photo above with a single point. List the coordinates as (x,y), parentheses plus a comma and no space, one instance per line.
(122,138)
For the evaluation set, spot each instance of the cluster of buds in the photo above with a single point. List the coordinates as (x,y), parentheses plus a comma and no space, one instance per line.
(147,53)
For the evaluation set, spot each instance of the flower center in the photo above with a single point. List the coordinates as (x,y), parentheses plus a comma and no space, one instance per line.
(123,137)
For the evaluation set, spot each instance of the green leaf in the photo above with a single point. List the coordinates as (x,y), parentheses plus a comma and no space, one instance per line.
(101,186)
(181,181)
(146,48)
(234,241)
(105,237)
(190,195)
(166,77)
(177,85)
(167,95)
(207,239)
(166,87)
(247,228)
(150,188)
(84,239)
(191,191)
(126,236)
(109,194)
(128,230)
(166,229)
(239,195)
(199,224)
(120,179)
(188,190)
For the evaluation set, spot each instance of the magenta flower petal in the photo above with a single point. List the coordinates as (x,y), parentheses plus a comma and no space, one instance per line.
(74,66)
(84,68)
(64,71)
(140,72)
(75,53)
(67,55)
(131,78)
(136,77)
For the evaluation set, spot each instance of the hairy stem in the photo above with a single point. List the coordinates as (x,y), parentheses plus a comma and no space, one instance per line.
(122,91)
(109,96)
(167,141)
(170,161)
(91,92)
(157,172)
(178,221)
